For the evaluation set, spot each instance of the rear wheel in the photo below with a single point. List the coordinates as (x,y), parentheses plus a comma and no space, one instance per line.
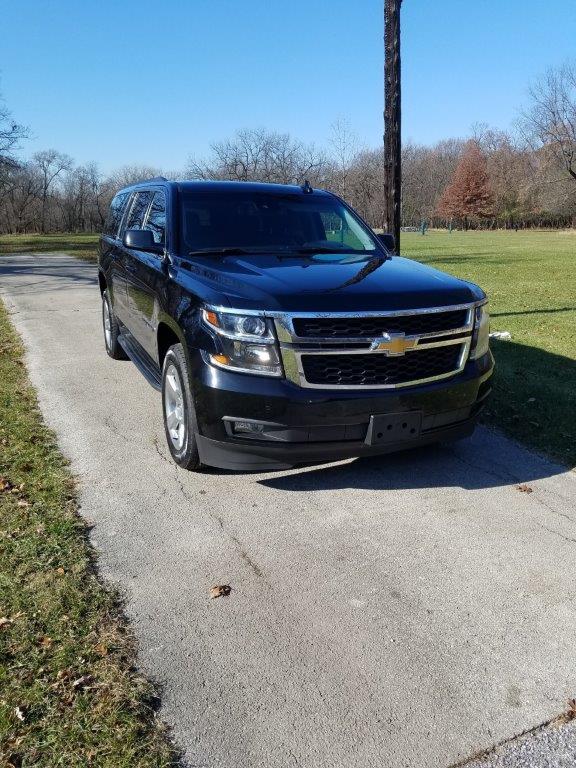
(178,409)
(111,330)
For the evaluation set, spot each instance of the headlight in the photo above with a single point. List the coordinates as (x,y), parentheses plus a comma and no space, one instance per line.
(480,337)
(247,341)
(244,327)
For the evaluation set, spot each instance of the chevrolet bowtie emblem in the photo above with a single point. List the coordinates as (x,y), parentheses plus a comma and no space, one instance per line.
(393,344)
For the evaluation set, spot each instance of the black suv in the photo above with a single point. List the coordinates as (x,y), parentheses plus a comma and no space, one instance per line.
(280,329)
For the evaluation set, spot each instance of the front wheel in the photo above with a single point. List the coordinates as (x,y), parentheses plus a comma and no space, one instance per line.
(178,409)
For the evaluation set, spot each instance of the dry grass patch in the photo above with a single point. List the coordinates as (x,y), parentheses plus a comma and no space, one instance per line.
(69,693)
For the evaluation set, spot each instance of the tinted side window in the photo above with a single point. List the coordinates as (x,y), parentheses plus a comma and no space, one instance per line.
(115,214)
(156,220)
(138,210)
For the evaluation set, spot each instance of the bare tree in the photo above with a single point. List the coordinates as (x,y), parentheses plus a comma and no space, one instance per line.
(261,155)
(19,198)
(11,132)
(550,121)
(50,164)
(364,185)
(132,174)
(426,171)
(511,170)
(344,145)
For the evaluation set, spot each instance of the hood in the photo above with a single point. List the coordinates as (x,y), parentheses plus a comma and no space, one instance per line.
(327,283)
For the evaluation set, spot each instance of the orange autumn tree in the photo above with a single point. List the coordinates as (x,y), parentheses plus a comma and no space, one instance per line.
(468,196)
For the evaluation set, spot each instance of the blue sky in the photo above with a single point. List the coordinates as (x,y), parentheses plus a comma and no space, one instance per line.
(154,82)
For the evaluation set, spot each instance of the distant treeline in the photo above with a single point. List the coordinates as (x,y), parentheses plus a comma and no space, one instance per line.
(491,180)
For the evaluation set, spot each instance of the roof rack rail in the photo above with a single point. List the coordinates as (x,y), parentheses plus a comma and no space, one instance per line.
(155,178)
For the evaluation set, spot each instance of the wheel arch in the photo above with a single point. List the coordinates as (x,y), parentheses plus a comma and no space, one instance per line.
(168,333)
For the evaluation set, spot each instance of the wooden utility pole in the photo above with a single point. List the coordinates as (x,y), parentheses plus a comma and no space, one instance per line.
(392,119)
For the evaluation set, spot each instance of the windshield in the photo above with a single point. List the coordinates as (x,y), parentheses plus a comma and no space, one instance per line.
(256,221)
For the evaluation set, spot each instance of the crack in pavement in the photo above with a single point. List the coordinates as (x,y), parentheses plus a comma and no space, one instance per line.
(114,429)
(238,545)
(557,533)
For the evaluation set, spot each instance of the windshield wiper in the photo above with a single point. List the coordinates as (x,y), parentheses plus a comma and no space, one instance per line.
(335,249)
(219,252)
(325,249)
(284,252)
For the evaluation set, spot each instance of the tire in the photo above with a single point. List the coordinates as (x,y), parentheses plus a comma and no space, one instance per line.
(178,409)
(111,330)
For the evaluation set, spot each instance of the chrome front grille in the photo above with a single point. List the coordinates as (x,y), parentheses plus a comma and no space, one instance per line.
(373,327)
(375,350)
(371,370)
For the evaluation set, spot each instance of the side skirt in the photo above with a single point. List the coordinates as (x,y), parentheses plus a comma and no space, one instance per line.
(141,359)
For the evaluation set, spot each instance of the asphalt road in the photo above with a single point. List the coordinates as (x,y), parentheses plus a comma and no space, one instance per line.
(410,610)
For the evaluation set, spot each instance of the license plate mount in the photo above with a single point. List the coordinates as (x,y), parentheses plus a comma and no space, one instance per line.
(387,428)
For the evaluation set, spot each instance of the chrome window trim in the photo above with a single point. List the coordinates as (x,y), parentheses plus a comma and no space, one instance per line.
(158,191)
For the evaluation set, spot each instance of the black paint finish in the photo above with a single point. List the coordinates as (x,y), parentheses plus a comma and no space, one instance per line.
(157,297)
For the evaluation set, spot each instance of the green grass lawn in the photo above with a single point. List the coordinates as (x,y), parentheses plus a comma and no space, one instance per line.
(81,245)
(530,278)
(69,694)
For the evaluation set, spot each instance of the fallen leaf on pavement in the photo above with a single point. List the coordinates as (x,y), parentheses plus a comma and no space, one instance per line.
(220,590)
(524,488)
(572,709)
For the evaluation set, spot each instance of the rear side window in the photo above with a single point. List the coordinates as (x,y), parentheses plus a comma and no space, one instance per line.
(138,210)
(156,219)
(115,214)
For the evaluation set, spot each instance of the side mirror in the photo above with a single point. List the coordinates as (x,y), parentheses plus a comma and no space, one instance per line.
(141,240)
(388,241)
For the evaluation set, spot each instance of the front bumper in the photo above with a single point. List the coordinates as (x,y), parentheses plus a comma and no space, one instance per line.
(305,425)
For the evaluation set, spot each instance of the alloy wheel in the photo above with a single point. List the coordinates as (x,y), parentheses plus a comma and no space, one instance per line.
(174,407)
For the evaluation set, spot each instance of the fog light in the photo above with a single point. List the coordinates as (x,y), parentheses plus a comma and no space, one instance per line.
(248,427)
